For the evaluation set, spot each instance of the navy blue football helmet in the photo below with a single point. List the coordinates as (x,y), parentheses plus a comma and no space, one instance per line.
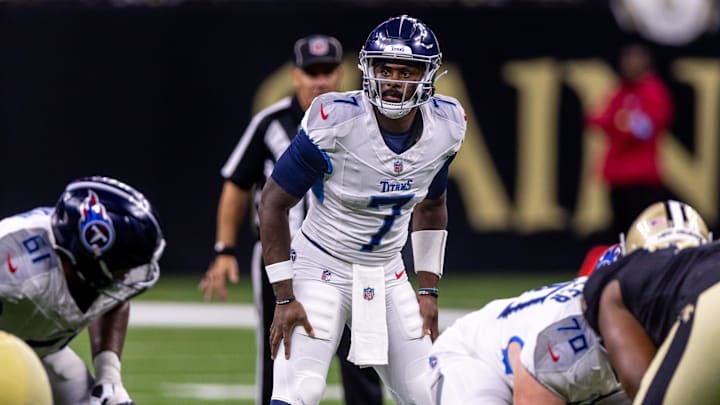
(107,228)
(400,39)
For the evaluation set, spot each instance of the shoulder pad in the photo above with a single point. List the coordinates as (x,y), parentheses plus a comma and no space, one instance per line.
(27,250)
(570,361)
(448,108)
(331,109)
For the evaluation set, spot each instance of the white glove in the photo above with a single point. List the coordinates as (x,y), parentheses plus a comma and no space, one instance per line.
(110,394)
(108,388)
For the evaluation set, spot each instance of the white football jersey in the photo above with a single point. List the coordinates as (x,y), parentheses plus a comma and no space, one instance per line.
(362,208)
(35,303)
(558,347)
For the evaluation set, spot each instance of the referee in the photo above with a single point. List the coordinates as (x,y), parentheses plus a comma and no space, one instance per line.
(317,70)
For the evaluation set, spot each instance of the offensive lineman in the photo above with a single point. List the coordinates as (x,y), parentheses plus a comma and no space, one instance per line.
(77,265)
(372,158)
(656,307)
(535,348)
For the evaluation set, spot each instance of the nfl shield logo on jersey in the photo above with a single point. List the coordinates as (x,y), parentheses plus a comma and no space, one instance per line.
(368,293)
(398,166)
(326,275)
(293,255)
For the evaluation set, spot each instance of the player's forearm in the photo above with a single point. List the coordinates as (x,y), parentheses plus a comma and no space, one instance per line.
(629,347)
(107,333)
(430,214)
(427,279)
(283,289)
(231,210)
(275,239)
(274,226)
(274,236)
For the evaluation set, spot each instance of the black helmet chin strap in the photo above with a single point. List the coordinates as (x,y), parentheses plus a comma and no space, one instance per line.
(94,273)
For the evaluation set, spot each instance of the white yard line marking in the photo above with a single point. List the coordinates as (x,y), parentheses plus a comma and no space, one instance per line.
(199,315)
(217,315)
(230,391)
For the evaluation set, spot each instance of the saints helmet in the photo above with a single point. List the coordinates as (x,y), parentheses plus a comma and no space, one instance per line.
(23,380)
(107,228)
(400,39)
(664,224)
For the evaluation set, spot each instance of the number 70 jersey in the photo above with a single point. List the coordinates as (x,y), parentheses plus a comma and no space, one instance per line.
(558,346)
(362,205)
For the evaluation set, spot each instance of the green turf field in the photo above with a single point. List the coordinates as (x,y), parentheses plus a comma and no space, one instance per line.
(460,290)
(164,366)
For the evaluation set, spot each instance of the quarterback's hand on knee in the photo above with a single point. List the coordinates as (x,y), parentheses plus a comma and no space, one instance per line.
(110,394)
(284,321)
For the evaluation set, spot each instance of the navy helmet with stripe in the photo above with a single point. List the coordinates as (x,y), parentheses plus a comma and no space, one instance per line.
(400,39)
(106,228)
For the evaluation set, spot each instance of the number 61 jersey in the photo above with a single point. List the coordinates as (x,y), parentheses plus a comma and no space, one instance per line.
(35,303)
(365,199)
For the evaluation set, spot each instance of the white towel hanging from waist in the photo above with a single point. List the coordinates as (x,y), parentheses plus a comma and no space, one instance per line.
(369,340)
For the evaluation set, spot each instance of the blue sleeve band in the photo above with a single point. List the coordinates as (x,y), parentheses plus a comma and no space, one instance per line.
(439,183)
(506,357)
(300,166)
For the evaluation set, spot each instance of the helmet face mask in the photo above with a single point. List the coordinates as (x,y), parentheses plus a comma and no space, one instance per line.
(401,40)
(132,282)
(107,230)
(665,224)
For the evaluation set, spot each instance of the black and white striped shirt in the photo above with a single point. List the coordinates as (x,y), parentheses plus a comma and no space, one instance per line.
(265,139)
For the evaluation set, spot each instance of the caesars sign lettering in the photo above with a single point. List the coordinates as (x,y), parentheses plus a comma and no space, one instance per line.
(690,174)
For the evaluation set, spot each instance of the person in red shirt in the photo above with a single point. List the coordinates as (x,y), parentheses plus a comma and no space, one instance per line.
(634,118)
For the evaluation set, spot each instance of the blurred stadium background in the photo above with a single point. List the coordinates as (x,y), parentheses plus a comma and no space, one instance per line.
(157,92)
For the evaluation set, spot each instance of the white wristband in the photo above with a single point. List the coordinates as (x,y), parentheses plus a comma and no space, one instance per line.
(429,250)
(107,368)
(279,271)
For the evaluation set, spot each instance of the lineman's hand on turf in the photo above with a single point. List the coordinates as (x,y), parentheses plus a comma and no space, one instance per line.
(110,394)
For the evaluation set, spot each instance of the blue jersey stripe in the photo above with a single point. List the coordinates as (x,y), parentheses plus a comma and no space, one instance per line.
(300,166)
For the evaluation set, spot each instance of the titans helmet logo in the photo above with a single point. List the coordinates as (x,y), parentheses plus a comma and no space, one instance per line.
(96,229)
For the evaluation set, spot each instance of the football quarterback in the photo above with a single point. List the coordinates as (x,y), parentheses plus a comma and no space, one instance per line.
(377,163)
